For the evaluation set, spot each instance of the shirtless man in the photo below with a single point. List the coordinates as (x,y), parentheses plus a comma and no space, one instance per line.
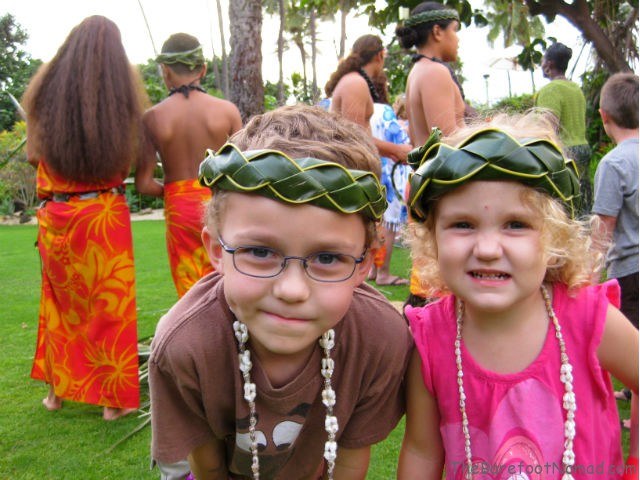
(353,94)
(433,95)
(181,128)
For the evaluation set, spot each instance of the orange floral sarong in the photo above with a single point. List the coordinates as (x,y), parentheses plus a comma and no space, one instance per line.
(184,202)
(87,335)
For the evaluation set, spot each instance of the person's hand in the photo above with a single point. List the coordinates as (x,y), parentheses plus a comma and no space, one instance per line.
(400,152)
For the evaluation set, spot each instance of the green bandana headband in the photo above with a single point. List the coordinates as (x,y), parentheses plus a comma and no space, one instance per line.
(191,58)
(489,154)
(431,16)
(274,175)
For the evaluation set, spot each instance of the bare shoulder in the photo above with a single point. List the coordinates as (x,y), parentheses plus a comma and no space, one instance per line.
(434,70)
(350,83)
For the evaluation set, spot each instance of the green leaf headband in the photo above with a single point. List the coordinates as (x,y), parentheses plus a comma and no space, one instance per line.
(489,154)
(191,58)
(274,175)
(431,16)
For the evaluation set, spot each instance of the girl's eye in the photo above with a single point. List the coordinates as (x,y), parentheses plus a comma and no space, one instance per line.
(517,225)
(461,225)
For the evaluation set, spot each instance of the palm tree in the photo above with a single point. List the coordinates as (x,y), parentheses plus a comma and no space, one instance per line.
(224,85)
(247,89)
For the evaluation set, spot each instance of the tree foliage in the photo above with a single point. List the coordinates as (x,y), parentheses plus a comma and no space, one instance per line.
(16,68)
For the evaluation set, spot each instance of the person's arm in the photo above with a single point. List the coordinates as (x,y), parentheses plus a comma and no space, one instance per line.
(235,120)
(547,99)
(145,183)
(602,236)
(618,354)
(352,463)
(32,155)
(207,462)
(396,152)
(438,99)
(422,453)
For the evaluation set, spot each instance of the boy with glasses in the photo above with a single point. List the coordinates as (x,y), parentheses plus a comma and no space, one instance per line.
(283,364)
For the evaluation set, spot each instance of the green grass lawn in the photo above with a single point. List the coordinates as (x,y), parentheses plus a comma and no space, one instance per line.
(73,443)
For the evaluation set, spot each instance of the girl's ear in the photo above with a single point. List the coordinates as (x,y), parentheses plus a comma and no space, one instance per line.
(437,32)
(213,248)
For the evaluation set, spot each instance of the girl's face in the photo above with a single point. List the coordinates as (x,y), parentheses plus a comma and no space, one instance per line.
(489,246)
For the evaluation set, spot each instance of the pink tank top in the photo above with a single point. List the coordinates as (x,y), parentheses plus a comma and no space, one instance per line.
(517,420)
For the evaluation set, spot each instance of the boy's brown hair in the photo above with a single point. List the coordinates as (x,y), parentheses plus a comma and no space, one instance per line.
(181,42)
(619,99)
(304,131)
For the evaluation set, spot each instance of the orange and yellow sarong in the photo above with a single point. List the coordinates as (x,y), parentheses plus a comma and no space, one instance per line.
(87,335)
(184,202)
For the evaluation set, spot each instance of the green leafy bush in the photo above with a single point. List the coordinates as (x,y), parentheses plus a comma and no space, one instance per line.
(17,177)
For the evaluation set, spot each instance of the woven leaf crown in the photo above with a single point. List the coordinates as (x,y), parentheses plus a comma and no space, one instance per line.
(274,175)
(191,58)
(490,154)
(431,16)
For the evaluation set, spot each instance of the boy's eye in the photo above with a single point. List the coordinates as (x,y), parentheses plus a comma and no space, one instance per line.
(325,259)
(259,252)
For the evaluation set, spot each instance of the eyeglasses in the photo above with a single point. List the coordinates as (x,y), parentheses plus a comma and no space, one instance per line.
(263,262)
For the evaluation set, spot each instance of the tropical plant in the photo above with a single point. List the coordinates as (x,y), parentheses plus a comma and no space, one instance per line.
(16,68)
(17,177)
(610,26)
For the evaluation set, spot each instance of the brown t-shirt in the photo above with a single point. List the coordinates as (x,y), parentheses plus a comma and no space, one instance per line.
(197,388)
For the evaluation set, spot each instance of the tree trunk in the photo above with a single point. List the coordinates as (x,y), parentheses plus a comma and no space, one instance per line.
(577,13)
(343,28)
(315,92)
(224,85)
(299,41)
(247,90)
(282,12)
(215,68)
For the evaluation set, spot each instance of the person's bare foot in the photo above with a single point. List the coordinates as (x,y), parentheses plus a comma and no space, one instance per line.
(110,413)
(52,402)
(373,273)
(390,280)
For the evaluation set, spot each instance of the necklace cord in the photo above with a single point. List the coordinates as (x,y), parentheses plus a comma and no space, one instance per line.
(566,378)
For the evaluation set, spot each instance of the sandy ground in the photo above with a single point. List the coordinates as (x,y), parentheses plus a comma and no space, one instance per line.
(146,214)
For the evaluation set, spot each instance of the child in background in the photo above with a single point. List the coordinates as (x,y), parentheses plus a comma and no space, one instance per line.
(283,364)
(511,371)
(182,127)
(616,191)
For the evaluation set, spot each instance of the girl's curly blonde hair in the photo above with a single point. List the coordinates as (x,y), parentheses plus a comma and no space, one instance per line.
(574,254)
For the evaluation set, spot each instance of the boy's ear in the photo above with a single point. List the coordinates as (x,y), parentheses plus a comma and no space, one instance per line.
(362,270)
(213,248)
(604,115)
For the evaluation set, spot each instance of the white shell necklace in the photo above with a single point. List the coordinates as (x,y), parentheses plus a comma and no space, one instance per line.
(327,342)
(568,399)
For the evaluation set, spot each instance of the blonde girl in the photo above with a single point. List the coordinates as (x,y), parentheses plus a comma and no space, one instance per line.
(510,377)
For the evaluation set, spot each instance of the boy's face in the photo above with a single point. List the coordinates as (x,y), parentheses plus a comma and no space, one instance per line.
(286,314)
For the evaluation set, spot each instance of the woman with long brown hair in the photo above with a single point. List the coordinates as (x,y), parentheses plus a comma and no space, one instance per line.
(84,113)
